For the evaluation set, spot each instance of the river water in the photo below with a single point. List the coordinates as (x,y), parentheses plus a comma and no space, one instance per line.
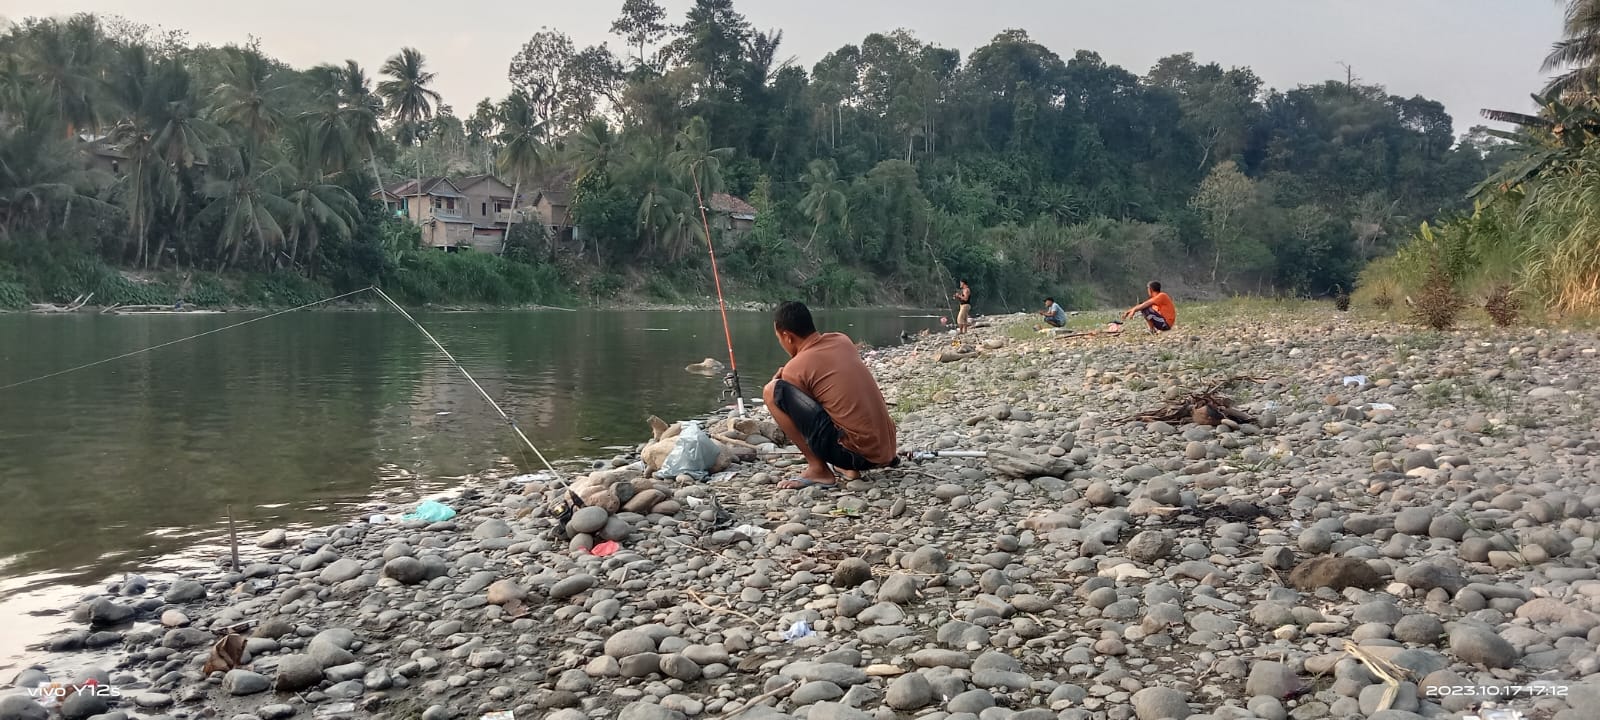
(305,419)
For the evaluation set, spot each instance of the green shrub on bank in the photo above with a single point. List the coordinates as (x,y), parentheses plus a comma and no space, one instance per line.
(437,277)
(283,289)
(12,296)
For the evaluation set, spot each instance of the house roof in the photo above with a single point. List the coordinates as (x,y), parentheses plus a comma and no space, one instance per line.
(556,197)
(472,181)
(725,203)
(435,185)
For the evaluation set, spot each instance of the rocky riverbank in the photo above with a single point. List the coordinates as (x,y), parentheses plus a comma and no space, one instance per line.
(1403,527)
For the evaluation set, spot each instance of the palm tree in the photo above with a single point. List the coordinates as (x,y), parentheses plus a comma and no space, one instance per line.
(409,99)
(39,173)
(163,136)
(246,202)
(522,149)
(701,165)
(594,149)
(663,202)
(824,201)
(1576,56)
(407,94)
(1566,124)
(344,118)
(696,159)
(324,123)
(62,58)
(314,202)
(247,98)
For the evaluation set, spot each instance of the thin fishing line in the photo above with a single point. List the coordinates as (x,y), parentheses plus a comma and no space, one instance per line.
(86,366)
(468,375)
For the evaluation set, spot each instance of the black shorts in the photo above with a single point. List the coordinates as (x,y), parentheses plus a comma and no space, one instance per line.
(1054,322)
(821,435)
(1156,320)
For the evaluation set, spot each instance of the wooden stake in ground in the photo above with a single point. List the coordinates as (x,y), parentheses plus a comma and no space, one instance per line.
(233,539)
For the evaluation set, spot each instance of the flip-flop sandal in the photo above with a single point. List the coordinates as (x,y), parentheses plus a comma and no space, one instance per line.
(808,482)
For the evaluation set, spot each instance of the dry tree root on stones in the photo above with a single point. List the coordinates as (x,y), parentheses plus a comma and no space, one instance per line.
(1208,407)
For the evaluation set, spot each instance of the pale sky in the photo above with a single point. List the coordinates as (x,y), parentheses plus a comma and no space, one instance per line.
(1468,54)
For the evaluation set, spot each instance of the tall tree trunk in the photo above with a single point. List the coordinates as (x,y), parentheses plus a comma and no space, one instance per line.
(516,194)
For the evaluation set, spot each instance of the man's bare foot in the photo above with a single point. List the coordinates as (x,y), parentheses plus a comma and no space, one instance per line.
(811,476)
(850,474)
(804,482)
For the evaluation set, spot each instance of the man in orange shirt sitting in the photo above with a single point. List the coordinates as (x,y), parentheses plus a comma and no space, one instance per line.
(1159,312)
(827,402)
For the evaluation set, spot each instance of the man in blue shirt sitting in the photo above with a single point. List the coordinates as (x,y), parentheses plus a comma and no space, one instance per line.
(1053,313)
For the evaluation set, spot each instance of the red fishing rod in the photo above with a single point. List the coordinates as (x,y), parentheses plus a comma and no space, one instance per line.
(732,380)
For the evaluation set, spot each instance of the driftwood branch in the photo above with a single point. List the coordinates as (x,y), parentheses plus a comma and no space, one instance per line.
(73,306)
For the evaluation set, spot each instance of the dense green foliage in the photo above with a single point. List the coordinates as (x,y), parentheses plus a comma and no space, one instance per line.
(887,171)
(1532,239)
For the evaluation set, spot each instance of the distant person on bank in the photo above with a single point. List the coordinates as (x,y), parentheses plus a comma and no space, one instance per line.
(1158,312)
(1053,313)
(964,316)
(828,403)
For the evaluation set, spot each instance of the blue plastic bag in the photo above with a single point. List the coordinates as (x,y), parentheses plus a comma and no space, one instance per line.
(431,511)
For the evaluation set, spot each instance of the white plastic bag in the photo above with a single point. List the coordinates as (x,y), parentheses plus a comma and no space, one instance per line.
(693,454)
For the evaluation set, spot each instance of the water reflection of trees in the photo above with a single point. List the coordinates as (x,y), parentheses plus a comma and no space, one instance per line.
(301,412)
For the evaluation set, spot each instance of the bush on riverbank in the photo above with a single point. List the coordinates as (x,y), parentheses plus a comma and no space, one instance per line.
(30,273)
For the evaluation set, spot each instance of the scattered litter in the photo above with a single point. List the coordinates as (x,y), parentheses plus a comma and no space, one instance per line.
(541,476)
(656,329)
(1270,405)
(330,710)
(845,512)
(49,694)
(1496,714)
(499,715)
(378,519)
(693,453)
(227,653)
(260,585)
(723,476)
(605,549)
(1356,380)
(587,438)
(694,501)
(1381,406)
(753,532)
(432,511)
(800,629)
(441,413)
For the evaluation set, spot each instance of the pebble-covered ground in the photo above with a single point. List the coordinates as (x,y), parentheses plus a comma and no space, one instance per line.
(1408,545)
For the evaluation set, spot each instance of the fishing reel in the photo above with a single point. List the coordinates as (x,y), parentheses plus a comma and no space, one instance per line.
(731,389)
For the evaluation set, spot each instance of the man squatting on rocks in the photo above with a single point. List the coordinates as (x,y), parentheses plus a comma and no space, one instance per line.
(1053,313)
(828,403)
(1158,312)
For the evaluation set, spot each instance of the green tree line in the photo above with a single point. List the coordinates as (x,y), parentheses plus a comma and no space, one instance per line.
(885,172)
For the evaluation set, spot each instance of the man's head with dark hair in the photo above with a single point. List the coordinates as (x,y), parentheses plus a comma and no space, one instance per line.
(792,322)
(1155,286)
(1049,301)
(963,283)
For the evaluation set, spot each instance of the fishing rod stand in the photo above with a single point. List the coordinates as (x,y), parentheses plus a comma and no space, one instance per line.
(732,390)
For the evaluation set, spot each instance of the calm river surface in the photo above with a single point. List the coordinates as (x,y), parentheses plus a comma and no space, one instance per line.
(303,419)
